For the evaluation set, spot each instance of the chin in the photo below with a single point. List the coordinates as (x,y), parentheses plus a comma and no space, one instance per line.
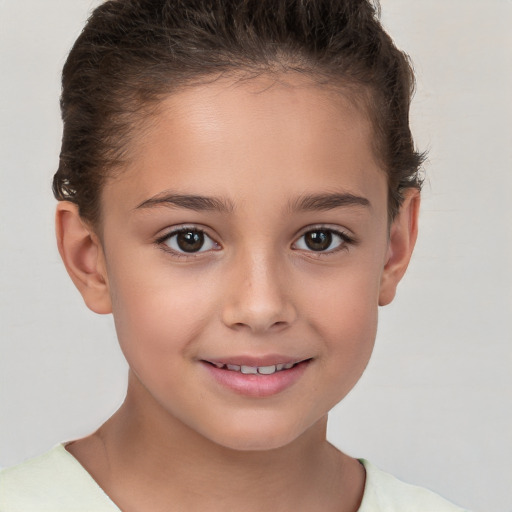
(256,436)
(256,443)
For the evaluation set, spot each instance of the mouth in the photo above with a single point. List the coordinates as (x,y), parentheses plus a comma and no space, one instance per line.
(256,370)
(256,377)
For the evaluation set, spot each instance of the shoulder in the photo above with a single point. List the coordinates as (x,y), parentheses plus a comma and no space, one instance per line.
(53,482)
(385,493)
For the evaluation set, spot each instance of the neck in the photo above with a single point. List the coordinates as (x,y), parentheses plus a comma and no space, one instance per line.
(148,452)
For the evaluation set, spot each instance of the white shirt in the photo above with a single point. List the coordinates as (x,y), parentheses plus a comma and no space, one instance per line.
(56,482)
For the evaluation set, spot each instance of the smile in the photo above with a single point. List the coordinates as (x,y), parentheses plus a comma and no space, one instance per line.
(255,370)
(257,377)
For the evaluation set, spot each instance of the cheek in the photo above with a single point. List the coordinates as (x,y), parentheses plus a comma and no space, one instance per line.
(158,315)
(344,313)
(346,301)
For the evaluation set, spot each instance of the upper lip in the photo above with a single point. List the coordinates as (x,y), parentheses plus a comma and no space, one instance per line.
(256,361)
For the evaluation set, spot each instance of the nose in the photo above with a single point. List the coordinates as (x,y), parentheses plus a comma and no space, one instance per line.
(258,298)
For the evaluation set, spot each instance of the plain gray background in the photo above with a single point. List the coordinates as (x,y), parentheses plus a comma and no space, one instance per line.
(434,406)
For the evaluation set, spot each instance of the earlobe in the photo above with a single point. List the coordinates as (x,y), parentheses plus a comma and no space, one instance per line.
(82,254)
(402,238)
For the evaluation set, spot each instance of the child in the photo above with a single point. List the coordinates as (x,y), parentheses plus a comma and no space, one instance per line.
(238,186)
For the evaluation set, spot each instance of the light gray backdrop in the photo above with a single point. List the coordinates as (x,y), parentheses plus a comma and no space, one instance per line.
(434,406)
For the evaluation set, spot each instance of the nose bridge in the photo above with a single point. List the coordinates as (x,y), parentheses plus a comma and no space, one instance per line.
(258,297)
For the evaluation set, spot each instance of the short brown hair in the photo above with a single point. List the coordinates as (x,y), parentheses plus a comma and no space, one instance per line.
(132,53)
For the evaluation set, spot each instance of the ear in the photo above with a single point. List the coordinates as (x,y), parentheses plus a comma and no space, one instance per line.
(82,254)
(402,238)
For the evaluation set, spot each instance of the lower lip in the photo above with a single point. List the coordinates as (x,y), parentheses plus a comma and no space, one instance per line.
(258,386)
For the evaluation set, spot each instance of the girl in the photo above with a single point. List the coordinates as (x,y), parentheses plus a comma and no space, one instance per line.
(239,187)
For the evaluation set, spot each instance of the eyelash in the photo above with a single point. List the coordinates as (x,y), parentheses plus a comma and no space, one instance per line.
(163,241)
(345,240)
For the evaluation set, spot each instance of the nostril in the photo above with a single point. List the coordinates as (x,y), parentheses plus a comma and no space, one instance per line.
(257,311)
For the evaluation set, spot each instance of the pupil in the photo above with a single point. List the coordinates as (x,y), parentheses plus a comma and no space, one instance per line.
(190,241)
(318,240)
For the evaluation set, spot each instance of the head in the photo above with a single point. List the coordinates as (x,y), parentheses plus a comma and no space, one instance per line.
(133,53)
(240,189)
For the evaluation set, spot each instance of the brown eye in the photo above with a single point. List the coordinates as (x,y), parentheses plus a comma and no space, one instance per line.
(189,241)
(322,240)
(319,240)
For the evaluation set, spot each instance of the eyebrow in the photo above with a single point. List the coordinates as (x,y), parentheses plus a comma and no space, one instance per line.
(324,202)
(188,201)
(310,202)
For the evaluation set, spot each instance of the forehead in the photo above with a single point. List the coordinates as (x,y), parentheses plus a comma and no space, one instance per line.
(286,132)
(290,106)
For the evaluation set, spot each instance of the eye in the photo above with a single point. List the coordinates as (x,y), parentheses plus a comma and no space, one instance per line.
(189,240)
(322,240)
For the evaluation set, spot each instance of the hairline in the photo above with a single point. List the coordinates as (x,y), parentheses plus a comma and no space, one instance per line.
(145,114)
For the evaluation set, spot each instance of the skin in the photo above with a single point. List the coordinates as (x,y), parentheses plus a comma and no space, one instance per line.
(255,289)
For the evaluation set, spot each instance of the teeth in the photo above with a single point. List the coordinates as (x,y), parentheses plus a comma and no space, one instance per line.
(255,370)
(267,370)
(246,370)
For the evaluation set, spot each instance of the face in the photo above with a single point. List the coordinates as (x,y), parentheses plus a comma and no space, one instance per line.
(244,250)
